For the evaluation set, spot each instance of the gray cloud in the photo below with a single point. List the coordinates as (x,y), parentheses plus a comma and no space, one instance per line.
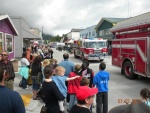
(60,16)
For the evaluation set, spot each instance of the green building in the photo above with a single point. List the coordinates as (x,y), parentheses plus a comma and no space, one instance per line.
(104,26)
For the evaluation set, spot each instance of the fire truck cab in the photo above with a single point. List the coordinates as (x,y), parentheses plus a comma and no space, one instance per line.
(131,46)
(91,49)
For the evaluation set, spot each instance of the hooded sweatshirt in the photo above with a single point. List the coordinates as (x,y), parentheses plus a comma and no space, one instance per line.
(73,85)
(101,81)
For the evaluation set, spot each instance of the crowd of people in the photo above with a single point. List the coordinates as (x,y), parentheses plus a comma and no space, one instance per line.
(56,83)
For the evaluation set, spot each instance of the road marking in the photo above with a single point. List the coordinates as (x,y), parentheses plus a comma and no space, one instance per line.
(26,99)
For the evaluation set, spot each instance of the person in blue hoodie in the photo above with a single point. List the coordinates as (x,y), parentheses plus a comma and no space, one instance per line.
(101,81)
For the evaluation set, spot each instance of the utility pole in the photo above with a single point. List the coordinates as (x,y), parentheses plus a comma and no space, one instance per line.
(42,32)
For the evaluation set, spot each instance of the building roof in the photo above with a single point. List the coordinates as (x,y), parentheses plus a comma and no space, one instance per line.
(132,22)
(76,30)
(28,34)
(110,20)
(5,16)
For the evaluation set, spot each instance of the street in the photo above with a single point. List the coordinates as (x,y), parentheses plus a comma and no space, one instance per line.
(120,88)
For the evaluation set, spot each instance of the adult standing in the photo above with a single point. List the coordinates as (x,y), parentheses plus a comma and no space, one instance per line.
(35,69)
(40,52)
(24,70)
(7,65)
(51,91)
(51,52)
(10,101)
(87,72)
(29,56)
(101,81)
(69,67)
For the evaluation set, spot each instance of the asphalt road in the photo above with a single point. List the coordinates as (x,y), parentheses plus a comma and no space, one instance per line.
(120,88)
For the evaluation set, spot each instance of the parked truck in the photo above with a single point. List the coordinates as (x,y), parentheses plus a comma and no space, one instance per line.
(91,49)
(131,46)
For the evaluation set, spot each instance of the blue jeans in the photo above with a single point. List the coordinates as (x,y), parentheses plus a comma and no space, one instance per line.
(24,83)
(72,101)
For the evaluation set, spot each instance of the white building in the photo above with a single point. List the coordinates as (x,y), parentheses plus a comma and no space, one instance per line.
(74,34)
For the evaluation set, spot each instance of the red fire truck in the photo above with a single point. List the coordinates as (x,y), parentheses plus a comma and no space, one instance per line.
(131,46)
(91,49)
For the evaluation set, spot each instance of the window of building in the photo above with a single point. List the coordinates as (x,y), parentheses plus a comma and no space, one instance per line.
(9,43)
(101,33)
(110,32)
(89,34)
(105,32)
(93,33)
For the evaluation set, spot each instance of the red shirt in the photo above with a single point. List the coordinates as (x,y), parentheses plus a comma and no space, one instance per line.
(73,85)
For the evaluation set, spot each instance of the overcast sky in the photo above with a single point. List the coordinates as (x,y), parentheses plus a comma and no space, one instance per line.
(60,16)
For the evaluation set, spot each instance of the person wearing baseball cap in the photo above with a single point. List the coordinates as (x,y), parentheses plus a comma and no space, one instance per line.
(84,96)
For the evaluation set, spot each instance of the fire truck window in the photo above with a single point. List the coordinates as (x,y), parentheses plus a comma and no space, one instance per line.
(102,44)
(92,44)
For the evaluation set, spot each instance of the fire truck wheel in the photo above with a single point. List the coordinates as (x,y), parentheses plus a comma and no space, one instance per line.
(128,70)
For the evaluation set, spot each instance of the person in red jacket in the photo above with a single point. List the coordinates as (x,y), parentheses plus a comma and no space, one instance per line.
(73,85)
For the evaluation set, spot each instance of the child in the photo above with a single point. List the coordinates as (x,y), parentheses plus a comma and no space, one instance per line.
(60,79)
(145,95)
(84,82)
(101,81)
(73,86)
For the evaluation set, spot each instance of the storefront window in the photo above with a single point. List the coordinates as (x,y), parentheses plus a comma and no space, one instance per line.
(1,42)
(9,43)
